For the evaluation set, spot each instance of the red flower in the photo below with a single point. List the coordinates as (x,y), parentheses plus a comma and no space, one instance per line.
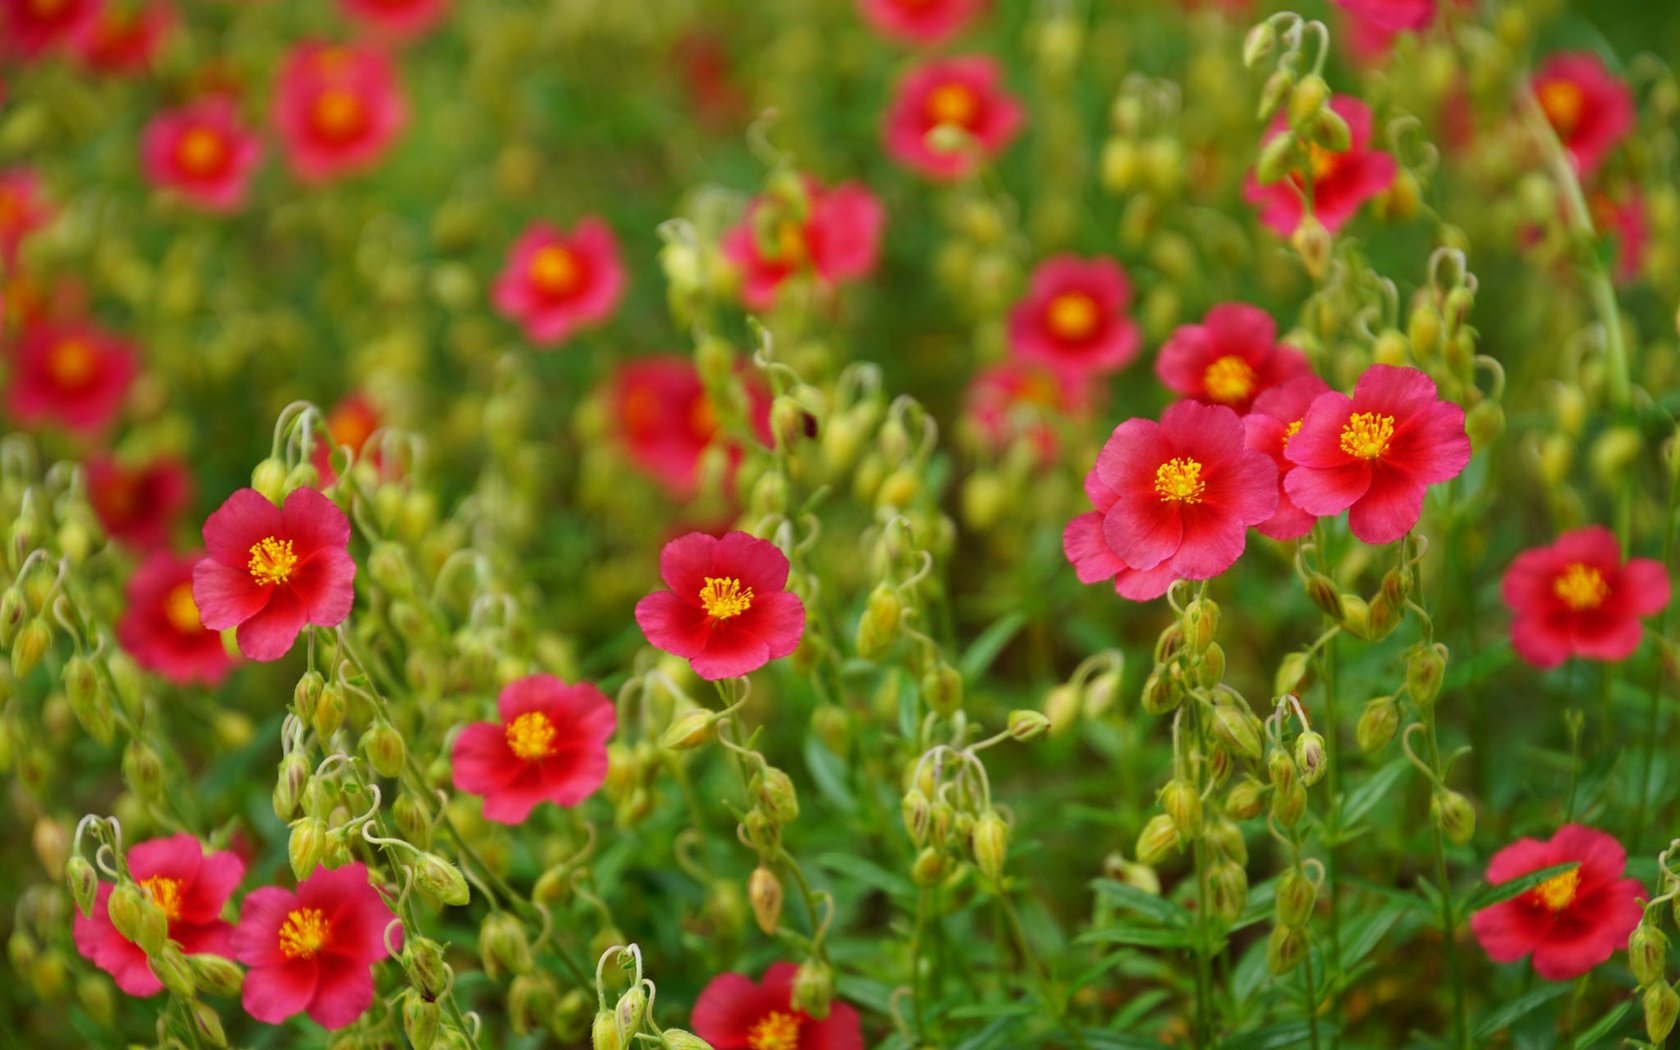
(313,950)
(138,505)
(838,240)
(1374,454)
(270,570)
(31,27)
(1173,500)
(23,210)
(555,282)
(161,628)
(203,153)
(1228,359)
(924,22)
(1276,416)
(1577,598)
(733,1013)
(1571,922)
(350,423)
(191,887)
(1392,15)
(1013,399)
(726,613)
(1589,107)
(1341,182)
(72,374)
(396,19)
(1625,219)
(667,420)
(550,746)
(1073,318)
(337,109)
(964,93)
(124,37)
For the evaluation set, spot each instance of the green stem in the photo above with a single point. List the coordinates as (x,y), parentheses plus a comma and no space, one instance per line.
(1449,918)
(1332,828)
(1654,714)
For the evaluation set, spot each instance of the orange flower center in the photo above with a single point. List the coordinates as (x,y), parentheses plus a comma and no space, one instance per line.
(1558,892)
(555,270)
(1179,480)
(1229,380)
(304,933)
(71,363)
(779,1030)
(338,114)
(1290,431)
(531,736)
(1367,434)
(201,151)
(351,425)
(1563,102)
(165,893)
(47,8)
(790,243)
(953,104)
(1323,162)
(180,609)
(702,418)
(1072,316)
(724,597)
(11,209)
(1581,587)
(272,561)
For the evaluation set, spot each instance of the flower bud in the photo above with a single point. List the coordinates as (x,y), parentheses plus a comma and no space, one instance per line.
(1025,724)
(1061,708)
(1312,242)
(1235,726)
(1426,668)
(928,866)
(1227,890)
(422,960)
(170,965)
(216,975)
(678,1039)
(307,846)
(384,748)
(1377,724)
(760,831)
(1661,1005)
(288,787)
(29,646)
(775,790)
(83,882)
(1324,594)
(439,881)
(1286,946)
(1295,897)
(942,689)
(1158,838)
(1245,799)
(13,611)
(137,917)
(1160,695)
(85,692)
(329,710)
(916,811)
(1454,814)
(1294,674)
(1289,804)
(1306,100)
(694,729)
(503,945)
(1273,94)
(1647,951)
(52,845)
(764,891)
(1382,616)
(531,1001)
(269,478)
(421,1018)
(813,988)
(1182,803)
(630,1012)
(603,1034)
(1310,757)
(1101,692)
(1260,42)
(990,840)
(1210,669)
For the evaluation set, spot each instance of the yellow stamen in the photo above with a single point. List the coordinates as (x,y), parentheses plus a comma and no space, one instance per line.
(1563,102)
(778,1030)
(1558,892)
(702,418)
(304,933)
(953,104)
(338,114)
(724,597)
(200,151)
(71,363)
(1229,380)
(272,561)
(554,270)
(1072,316)
(1581,587)
(531,736)
(1323,162)
(165,893)
(1290,431)
(790,243)
(1179,480)
(180,609)
(1367,434)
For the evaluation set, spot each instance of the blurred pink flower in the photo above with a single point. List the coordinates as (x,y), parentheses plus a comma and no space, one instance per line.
(964,93)
(337,108)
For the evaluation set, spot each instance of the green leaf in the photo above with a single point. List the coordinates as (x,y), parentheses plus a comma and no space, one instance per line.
(1102,1039)
(1594,1036)
(1364,934)
(1149,904)
(1489,895)
(1140,936)
(870,874)
(985,649)
(1278,1037)
(829,774)
(1521,1007)
(1362,799)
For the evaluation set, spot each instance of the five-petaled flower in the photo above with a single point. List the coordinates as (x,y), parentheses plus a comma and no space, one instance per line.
(726,612)
(734,1013)
(1572,921)
(1073,318)
(72,374)
(1578,598)
(161,628)
(123,38)
(550,746)
(139,504)
(202,152)
(1276,417)
(1340,181)
(962,94)
(556,282)
(270,570)
(1588,106)
(1228,359)
(1017,399)
(313,950)
(337,109)
(923,22)
(833,234)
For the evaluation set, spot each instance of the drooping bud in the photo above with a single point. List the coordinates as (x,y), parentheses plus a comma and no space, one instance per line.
(1273,94)
(916,811)
(1201,623)
(1455,815)
(1210,669)
(1310,757)
(1183,803)
(1286,946)
(775,790)
(384,748)
(1025,724)
(603,1034)
(813,988)
(1292,674)
(1377,724)
(216,975)
(679,1039)
(329,710)
(422,960)
(1312,243)
(503,945)
(137,917)
(1227,890)
(269,478)
(85,691)
(942,689)
(1661,1005)
(29,646)
(764,891)
(1289,805)
(1235,725)
(143,769)
(1296,895)
(83,882)
(1647,951)
(1160,695)
(1426,668)
(306,846)
(692,730)
(630,1011)
(1307,100)
(306,694)
(440,882)
(289,785)
(421,1018)
(990,840)
(170,965)
(1260,42)
(1245,799)
(1158,838)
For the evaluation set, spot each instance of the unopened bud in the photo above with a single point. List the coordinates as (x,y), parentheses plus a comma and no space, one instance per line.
(692,730)
(1484,423)
(1160,696)
(384,748)
(1661,1005)
(421,1019)
(1377,724)
(306,846)
(928,866)
(678,1039)
(1025,724)
(1292,674)
(29,646)
(269,479)
(329,710)
(306,694)
(813,988)
(1307,100)
(1245,799)
(1426,668)
(1201,623)
(1647,951)
(1312,242)
(1210,669)
(289,785)
(1260,42)
(1061,708)
(85,691)
(603,1034)
(143,769)
(775,789)
(942,689)
(83,882)
(439,881)
(1455,815)
(1322,590)
(1382,617)
(422,960)
(916,811)
(991,844)
(630,1011)
(1289,804)
(503,945)
(1310,757)
(1158,838)
(170,966)
(1183,803)
(137,917)
(1273,94)
(1296,895)
(1235,725)
(1227,890)
(764,892)
(1285,948)
(216,975)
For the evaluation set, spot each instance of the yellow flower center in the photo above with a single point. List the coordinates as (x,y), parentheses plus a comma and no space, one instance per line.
(790,243)
(338,114)
(272,561)
(1367,434)
(702,418)
(531,736)
(778,1030)
(200,151)
(953,104)
(724,597)
(1323,162)
(71,363)
(1581,587)
(1558,892)
(304,933)
(1290,431)
(181,610)
(554,270)
(1072,316)
(1563,103)
(1179,480)
(1229,380)
(165,893)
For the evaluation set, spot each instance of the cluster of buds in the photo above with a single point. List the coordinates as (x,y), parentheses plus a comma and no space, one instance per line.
(1368,619)
(979,259)
(1090,692)
(1292,766)
(1312,128)
(1440,340)
(629,1022)
(1647,952)
(948,811)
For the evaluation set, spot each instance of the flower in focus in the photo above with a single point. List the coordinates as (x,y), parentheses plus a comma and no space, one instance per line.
(965,94)
(32,27)
(734,1013)
(726,612)
(271,570)
(1341,182)
(396,19)
(1374,454)
(550,746)
(72,374)
(555,282)
(1093,560)
(313,950)
(337,109)
(123,38)
(667,420)
(23,210)
(161,629)
(838,239)
(1073,318)
(138,505)
(350,424)
(191,887)
(1578,598)
(202,152)
(1589,107)
(1276,416)
(1572,921)
(1015,399)
(924,22)
(1229,359)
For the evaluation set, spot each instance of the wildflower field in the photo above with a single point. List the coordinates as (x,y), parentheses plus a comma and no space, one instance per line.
(839,524)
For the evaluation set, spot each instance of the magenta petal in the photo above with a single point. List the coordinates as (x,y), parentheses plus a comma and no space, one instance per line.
(226,597)
(1507,931)
(1082,542)
(340,1001)
(480,761)
(245,519)
(269,634)
(273,993)
(1388,510)
(313,522)
(1326,491)
(673,625)
(325,585)
(1143,532)
(730,654)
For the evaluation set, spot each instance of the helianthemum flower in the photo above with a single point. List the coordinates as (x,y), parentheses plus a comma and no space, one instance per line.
(550,746)
(397,19)
(962,95)
(1228,359)
(667,420)
(161,628)
(338,109)
(203,153)
(271,570)
(313,951)
(1340,181)
(556,282)
(139,504)
(1017,399)
(1578,598)
(123,38)
(1275,418)
(1374,454)
(1589,107)
(31,27)
(923,22)
(734,1013)
(191,887)
(1572,921)
(1392,15)
(838,239)
(1073,318)
(23,210)
(71,374)
(726,612)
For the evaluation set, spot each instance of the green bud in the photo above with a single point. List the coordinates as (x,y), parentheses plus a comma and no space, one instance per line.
(1322,590)
(1293,674)
(1285,948)
(1210,669)
(85,691)
(143,769)
(1181,802)
(13,611)
(928,866)
(1377,724)
(137,917)
(1426,668)
(83,882)
(916,811)
(990,840)
(170,965)
(29,646)
(503,945)
(813,988)
(1245,799)
(1260,42)
(630,1011)
(1310,757)
(1289,804)
(306,846)
(422,960)
(1273,94)
(1296,896)
(942,689)
(603,1034)
(678,1039)
(1237,728)
(1647,951)
(439,881)
(421,1018)
(216,975)
(1201,623)
(329,710)
(269,478)
(532,999)
(288,787)
(1306,100)
(694,729)
(306,695)
(384,748)
(775,790)
(1160,695)
(1227,890)
(764,891)
(1455,815)
(1158,838)
(1661,1005)
(1025,724)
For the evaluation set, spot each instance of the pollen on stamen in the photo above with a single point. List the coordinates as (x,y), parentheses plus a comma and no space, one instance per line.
(1581,587)
(1367,434)
(1558,892)
(165,893)
(1229,380)
(304,933)
(1072,316)
(272,561)
(779,1030)
(724,597)
(1179,480)
(531,736)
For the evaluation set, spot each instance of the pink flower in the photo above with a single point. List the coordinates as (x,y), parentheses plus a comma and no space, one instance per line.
(396,19)
(23,210)
(556,282)
(1589,107)
(1229,359)
(1073,318)
(550,746)
(1341,182)
(838,240)
(924,22)
(314,950)
(667,421)
(29,28)
(1392,15)
(1571,922)
(964,93)
(1015,400)
(1625,219)
(161,628)
(1276,416)
(191,887)
(123,38)
(203,153)
(271,570)
(138,505)
(71,373)
(350,424)
(734,1013)
(338,109)
(727,612)
(1374,454)
(1578,598)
